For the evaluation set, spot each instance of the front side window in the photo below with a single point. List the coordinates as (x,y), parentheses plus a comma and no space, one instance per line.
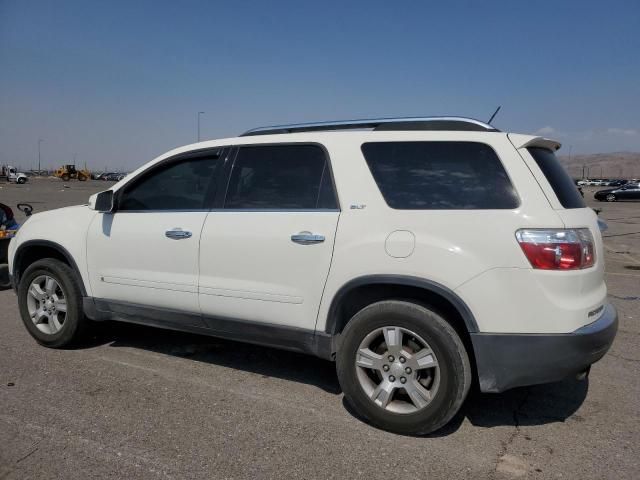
(181,185)
(282,177)
(440,175)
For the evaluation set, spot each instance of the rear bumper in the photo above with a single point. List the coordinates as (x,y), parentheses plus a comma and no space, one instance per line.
(506,361)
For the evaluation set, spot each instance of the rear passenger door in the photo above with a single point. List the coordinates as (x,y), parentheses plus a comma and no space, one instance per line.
(265,253)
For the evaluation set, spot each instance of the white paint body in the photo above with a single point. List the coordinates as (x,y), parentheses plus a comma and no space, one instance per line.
(243,265)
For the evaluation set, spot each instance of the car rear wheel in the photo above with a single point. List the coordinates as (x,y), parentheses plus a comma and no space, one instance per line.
(50,302)
(403,367)
(22,180)
(611,197)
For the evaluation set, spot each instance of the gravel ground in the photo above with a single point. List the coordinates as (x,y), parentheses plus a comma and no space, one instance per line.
(137,402)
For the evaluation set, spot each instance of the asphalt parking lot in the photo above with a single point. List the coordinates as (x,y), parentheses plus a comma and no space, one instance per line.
(137,402)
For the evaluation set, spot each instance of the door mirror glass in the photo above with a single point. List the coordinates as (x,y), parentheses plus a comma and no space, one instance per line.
(104,202)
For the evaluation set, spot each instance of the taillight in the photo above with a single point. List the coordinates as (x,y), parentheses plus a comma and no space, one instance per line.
(558,249)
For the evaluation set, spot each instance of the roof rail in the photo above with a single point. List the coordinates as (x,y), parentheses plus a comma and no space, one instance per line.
(400,123)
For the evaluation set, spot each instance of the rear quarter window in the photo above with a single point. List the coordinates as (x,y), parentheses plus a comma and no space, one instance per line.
(560,181)
(440,175)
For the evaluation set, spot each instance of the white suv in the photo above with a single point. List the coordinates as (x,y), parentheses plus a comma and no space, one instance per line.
(420,254)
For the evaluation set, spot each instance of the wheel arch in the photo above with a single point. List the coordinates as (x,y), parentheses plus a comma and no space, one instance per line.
(397,285)
(34,250)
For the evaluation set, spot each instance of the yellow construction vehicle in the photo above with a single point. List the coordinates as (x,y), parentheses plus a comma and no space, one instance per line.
(68,172)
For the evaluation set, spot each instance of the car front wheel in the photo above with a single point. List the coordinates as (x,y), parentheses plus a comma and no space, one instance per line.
(403,367)
(50,301)
(611,197)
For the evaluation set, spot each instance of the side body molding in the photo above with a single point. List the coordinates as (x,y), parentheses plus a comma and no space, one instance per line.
(402,280)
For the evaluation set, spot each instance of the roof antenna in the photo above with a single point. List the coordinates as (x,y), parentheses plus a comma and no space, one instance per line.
(494,114)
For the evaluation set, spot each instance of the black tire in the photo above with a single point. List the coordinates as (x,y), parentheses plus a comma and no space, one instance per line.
(21,180)
(75,323)
(453,361)
(611,197)
(5,284)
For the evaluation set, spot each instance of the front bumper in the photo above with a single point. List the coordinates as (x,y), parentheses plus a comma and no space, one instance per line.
(506,361)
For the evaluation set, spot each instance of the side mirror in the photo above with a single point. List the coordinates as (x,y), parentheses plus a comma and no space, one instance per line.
(104,202)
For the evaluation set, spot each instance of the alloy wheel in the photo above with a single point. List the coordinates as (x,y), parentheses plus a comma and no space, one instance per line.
(47,304)
(397,369)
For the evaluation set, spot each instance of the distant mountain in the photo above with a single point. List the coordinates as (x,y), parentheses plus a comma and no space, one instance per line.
(605,165)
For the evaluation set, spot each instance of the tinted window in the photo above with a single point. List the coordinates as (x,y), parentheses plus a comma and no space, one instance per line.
(439,175)
(183,185)
(281,177)
(564,188)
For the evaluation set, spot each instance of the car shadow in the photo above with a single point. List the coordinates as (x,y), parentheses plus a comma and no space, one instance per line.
(265,361)
(525,406)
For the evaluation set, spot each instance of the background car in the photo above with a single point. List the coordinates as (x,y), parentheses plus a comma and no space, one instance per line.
(626,192)
(618,183)
(113,176)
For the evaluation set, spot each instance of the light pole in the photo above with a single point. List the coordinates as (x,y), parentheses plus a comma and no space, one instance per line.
(199,113)
(39,142)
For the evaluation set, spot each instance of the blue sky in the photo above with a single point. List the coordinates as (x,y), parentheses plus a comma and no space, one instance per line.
(116,83)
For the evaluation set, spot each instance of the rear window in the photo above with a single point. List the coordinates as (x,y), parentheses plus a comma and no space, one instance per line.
(440,175)
(564,188)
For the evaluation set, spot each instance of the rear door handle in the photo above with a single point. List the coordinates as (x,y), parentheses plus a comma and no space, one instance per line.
(177,234)
(307,238)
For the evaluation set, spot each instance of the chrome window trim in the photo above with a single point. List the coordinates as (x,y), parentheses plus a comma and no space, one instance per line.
(230,210)
(276,210)
(199,210)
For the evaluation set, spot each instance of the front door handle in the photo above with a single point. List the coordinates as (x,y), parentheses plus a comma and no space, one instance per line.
(307,238)
(177,234)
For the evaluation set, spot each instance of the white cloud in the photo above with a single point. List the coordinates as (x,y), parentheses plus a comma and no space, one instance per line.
(627,132)
(545,131)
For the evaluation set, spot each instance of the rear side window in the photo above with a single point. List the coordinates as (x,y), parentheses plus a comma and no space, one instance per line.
(564,188)
(440,175)
(282,177)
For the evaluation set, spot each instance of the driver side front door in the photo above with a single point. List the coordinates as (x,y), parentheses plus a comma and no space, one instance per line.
(145,255)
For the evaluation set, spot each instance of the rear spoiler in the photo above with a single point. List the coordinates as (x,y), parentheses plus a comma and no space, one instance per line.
(524,141)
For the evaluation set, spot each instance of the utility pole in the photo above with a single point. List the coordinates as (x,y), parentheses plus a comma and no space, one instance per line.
(199,113)
(39,142)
